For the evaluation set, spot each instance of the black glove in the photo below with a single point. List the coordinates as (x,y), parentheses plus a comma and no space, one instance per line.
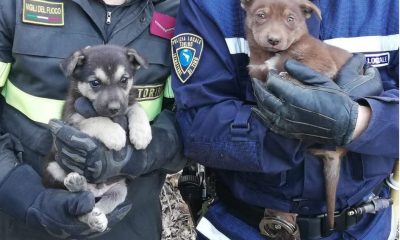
(78,152)
(358,79)
(23,196)
(82,154)
(315,110)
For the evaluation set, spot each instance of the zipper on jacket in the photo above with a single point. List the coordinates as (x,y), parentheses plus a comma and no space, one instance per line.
(108,19)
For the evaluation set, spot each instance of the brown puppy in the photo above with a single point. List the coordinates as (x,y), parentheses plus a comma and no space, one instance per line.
(276,31)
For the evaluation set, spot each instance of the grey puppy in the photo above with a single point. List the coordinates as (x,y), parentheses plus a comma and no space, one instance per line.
(104,75)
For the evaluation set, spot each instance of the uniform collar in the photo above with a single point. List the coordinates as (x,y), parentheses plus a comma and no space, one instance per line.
(142,5)
(127,3)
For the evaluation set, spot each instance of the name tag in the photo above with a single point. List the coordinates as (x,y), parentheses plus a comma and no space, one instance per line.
(43,13)
(378,59)
(148,92)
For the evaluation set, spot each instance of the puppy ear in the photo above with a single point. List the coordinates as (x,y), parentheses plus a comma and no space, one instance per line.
(245,3)
(308,8)
(136,59)
(69,64)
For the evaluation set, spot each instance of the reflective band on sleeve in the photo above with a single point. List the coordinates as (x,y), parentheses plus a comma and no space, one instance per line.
(367,43)
(4,70)
(152,107)
(43,109)
(352,44)
(206,228)
(36,108)
(237,45)
(168,93)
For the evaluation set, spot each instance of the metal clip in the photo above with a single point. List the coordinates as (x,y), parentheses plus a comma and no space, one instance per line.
(275,227)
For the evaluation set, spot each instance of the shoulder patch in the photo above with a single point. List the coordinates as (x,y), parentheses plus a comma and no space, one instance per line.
(186,52)
(162,25)
(42,12)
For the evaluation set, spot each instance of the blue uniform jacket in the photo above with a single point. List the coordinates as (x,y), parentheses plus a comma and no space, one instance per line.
(259,166)
(35,52)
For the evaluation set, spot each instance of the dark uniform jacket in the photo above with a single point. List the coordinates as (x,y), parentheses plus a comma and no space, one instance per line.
(34,38)
(214,97)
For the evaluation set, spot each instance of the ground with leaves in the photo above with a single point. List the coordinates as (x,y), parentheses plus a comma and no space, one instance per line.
(177,223)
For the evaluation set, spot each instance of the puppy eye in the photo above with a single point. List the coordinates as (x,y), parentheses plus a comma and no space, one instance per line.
(290,19)
(95,83)
(124,80)
(260,15)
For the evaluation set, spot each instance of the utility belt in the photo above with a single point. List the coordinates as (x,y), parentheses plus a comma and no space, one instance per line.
(281,225)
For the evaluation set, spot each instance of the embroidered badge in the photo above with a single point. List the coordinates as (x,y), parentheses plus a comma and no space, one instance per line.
(162,25)
(378,59)
(186,52)
(148,92)
(43,12)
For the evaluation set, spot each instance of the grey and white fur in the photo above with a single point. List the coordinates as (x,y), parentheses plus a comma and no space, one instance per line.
(104,74)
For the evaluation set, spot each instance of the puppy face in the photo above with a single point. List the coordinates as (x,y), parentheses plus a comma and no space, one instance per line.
(105,75)
(277,24)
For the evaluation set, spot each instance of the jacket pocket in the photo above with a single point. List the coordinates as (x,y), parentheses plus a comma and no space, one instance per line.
(365,167)
(49,42)
(374,166)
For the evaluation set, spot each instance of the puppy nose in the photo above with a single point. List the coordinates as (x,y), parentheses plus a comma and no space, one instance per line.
(113,107)
(113,110)
(273,41)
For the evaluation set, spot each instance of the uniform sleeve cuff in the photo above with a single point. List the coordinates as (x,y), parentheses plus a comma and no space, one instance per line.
(373,125)
(18,191)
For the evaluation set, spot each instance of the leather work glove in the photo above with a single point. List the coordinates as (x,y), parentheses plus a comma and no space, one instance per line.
(80,153)
(358,79)
(24,197)
(315,109)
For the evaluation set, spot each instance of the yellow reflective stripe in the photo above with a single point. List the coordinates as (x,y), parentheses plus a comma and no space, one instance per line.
(168,93)
(152,107)
(36,108)
(43,109)
(4,70)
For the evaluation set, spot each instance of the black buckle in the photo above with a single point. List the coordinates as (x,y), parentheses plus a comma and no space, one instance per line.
(317,227)
(343,221)
(239,131)
(240,127)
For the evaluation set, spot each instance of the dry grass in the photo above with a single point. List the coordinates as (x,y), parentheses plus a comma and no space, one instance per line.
(177,223)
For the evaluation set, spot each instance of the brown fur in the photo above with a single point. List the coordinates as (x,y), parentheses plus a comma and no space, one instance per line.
(279,27)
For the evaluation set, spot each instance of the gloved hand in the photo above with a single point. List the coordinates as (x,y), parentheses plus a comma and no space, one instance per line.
(23,196)
(82,154)
(315,110)
(358,79)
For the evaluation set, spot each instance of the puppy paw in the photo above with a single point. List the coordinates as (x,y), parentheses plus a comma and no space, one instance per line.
(96,220)
(272,63)
(75,182)
(258,71)
(115,139)
(139,127)
(111,134)
(140,134)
